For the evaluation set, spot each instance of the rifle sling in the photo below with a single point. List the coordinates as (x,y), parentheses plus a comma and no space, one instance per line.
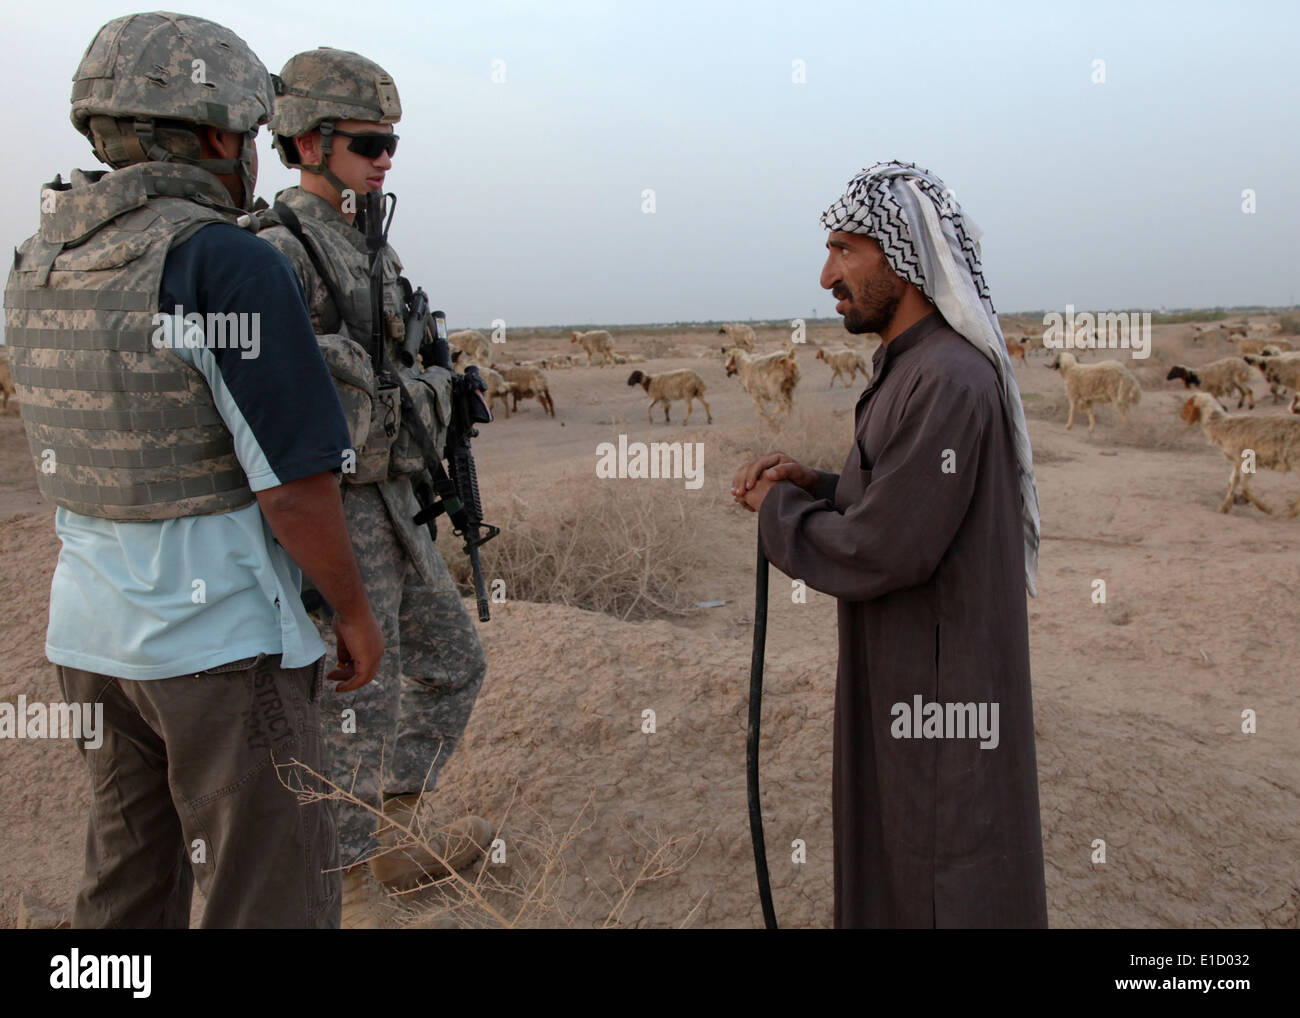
(293,224)
(441,481)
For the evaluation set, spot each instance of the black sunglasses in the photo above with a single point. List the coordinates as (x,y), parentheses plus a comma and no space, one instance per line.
(368,145)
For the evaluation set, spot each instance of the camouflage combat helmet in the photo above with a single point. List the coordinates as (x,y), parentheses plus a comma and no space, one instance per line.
(321,86)
(160,68)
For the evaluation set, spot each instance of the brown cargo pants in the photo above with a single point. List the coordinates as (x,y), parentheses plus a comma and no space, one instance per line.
(185,785)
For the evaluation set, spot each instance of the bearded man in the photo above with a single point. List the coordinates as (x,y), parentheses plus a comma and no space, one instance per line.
(925,537)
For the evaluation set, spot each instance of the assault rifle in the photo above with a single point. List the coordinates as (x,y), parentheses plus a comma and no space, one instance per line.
(453,489)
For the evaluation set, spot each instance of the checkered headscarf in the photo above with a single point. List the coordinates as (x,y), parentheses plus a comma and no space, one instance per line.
(928,241)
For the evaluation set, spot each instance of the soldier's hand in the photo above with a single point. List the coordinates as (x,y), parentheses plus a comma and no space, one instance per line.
(360,645)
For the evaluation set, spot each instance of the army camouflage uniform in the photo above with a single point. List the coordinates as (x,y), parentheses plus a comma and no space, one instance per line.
(413,714)
(183,784)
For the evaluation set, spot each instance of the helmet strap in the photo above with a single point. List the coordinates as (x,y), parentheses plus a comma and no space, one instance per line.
(326,128)
(119,147)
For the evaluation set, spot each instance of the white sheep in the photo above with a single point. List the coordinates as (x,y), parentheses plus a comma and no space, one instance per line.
(1282,370)
(474,344)
(1273,441)
(768,379)
(1222,378)
(1258,346)
(670,385)
(738,335)
(845,362)
(497,388)
(1103,382)
(596,342)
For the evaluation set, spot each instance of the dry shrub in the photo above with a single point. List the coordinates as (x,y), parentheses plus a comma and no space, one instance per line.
(653,349)
(623,547)
(544,881)
(1153,424)
(817,436)
(529,877)
(1156,427)
(1053,407)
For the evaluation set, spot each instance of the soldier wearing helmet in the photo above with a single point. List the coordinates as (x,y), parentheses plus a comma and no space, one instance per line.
(189,501)
(333,120)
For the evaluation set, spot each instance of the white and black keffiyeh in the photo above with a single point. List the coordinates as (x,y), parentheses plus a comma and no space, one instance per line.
(932,244)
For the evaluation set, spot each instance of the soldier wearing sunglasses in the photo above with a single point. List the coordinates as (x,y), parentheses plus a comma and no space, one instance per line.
(333,121)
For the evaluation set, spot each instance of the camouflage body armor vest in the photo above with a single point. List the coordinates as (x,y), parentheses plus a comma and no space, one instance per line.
(385,449)
(120,428)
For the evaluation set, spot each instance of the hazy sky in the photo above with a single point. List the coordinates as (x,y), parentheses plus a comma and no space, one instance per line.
(522,200)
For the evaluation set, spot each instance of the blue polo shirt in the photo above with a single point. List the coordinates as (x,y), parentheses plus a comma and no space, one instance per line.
(156,599)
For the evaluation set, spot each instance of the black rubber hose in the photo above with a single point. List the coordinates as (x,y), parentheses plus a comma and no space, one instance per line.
(751,738)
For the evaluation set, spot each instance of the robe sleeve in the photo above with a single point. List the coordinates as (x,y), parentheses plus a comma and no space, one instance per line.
(825,487)
(898,531)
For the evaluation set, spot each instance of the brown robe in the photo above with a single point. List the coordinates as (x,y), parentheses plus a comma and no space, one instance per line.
(920,539)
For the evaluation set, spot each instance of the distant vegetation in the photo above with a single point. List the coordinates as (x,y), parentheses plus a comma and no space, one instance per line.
(1288,316)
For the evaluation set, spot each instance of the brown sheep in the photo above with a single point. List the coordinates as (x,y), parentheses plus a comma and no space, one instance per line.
(670,385)
(529,382)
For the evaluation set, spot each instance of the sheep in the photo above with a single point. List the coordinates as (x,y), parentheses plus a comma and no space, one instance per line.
(1031,340)
(497,388)
(1257,346)
(845,361)
(7,388)
(768,379)
(1200,332)
(1103,382)
(739,335)
(670,385)
(1273,441)
(460,360)
(527,383)
(1281,370)
(597,341)
(1266,328)
(474,343)
(1222,378)
(1295,404)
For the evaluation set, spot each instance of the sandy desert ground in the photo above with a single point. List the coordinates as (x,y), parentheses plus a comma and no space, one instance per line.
(1138,702)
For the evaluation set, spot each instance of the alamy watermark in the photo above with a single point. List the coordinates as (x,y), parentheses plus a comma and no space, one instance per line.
(77,971)
(1105,330)
(240,331)
(53,721)
(679,460)
(920,720)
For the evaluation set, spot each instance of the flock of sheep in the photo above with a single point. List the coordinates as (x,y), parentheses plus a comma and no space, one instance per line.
(1269,442)
(770,379)
(1248,441)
